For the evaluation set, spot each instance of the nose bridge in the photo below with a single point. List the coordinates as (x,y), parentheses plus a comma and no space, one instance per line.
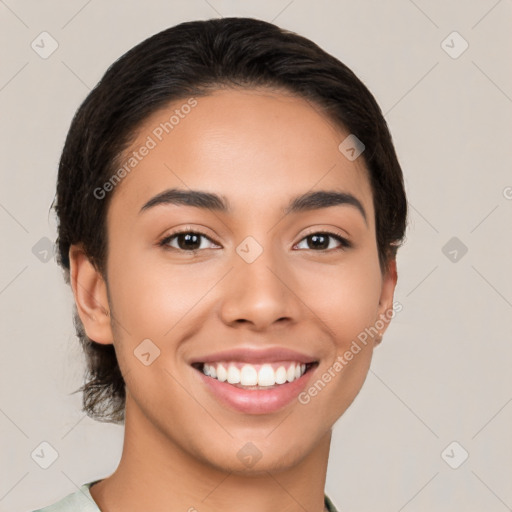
(256,265)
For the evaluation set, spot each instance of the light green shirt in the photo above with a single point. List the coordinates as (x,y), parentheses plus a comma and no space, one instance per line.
(82,501)
(78,501)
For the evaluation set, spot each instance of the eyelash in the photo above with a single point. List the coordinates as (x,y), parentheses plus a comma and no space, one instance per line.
(344,243)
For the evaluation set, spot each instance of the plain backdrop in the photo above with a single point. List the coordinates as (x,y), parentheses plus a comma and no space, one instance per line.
(431,428)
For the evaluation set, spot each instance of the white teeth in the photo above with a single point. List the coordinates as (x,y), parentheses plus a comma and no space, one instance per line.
(233,375)
(266,376)
(281,375)
(222,374)
(250,375)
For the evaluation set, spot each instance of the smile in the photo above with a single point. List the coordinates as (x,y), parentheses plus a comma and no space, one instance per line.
(255,381)
(255,376)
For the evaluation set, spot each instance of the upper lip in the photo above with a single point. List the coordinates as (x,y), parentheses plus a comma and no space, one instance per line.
(255,355)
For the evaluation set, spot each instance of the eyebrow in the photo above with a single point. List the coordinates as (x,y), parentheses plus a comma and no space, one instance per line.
(210,201)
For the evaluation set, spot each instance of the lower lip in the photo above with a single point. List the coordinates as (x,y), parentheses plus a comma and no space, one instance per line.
(256,401)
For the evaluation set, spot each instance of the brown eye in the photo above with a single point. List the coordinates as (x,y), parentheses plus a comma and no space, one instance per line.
(321,241)
(186,241)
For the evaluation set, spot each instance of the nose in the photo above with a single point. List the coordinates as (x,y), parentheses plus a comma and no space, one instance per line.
(259,294)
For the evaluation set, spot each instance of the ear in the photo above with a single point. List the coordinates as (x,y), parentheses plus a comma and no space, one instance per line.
(90,292)
(385,308)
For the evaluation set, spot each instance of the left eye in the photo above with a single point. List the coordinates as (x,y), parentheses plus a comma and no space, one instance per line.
(320,241)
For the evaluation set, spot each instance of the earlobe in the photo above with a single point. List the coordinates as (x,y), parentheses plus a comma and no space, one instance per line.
(386,299)
(90,292)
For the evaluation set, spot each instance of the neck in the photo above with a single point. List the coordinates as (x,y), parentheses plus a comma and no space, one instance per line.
(156,474)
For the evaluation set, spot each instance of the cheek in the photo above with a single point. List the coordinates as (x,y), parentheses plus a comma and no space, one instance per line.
(349,307)
(346,297)
(150,299)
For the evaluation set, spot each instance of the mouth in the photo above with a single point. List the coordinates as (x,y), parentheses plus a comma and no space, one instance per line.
(255,382)
(248,376)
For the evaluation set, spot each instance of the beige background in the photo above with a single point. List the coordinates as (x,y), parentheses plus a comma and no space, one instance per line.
(442,373)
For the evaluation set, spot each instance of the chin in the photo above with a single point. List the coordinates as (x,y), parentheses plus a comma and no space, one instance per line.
(257,457)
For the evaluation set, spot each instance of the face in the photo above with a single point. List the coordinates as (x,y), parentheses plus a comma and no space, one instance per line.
(243,283)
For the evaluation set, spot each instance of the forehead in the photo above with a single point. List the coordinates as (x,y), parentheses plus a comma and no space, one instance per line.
(254,147)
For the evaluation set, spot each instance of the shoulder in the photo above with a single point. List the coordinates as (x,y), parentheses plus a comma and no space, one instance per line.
(78,501)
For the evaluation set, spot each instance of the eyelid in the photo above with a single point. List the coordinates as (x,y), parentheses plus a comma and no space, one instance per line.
(331,229)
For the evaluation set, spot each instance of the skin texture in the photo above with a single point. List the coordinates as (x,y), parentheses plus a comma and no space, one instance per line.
(258,149)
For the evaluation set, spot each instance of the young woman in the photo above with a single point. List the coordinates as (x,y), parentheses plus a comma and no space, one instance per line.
(230,205)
